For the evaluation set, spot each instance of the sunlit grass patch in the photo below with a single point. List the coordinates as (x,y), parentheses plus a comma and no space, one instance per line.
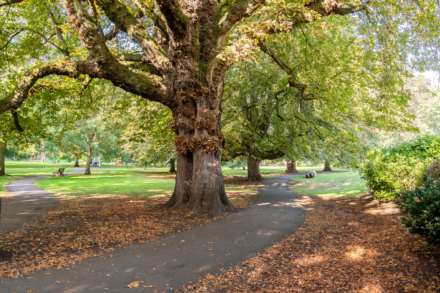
(334,184)
(128,183)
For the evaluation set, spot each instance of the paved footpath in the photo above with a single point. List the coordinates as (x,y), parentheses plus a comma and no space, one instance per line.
(173,261)
(28,202)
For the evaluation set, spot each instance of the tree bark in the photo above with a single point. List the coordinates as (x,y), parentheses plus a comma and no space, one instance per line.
(291,167)
(327,166)
(172,165)
(199,142)
(2,158)
(76,165)
(253,166)
(88,170)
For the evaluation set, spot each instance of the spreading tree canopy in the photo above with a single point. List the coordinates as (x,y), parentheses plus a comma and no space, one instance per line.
(174,52)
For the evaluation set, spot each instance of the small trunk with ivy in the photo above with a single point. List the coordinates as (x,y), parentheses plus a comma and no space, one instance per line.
(172,165)
(253,169)
(90,141)
(327,166)
(2,158)
(291,167)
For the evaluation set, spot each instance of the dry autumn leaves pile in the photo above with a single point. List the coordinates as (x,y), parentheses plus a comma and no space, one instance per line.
(346,245)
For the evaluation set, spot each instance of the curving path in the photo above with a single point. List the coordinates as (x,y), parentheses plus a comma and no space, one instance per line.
(27,202)
(176,260)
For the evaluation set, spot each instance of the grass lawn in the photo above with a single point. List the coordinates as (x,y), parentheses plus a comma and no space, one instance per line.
(134,181)
(16,169)
(336,183)
(264,170)
(119,183)
(129,181)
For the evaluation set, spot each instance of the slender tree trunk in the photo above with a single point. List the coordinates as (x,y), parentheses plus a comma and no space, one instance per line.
(291,167)
(76,165)
(88,171)
(172,165)
(2,158)
(327,166)
(253,166)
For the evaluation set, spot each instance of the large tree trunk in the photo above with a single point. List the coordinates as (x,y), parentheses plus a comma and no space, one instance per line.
(76,165)
(253,169)
(172,165)
(2,158)
(327,166)
(291,167)
(199,183)
(199,179)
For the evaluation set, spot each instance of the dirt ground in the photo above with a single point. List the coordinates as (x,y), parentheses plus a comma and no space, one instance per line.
(345,245)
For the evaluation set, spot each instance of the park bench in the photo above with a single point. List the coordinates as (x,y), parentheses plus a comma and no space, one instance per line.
(59,172)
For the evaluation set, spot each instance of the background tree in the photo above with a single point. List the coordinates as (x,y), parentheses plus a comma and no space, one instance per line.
(145,136)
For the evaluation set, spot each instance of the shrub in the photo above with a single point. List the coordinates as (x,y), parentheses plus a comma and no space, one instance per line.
(391,171)
(433,172)
(421,209)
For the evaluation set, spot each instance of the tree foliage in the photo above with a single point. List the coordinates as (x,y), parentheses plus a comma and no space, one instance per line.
(177,52)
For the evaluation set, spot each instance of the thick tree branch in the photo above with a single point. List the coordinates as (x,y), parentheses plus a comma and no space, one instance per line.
(88,31)
(16,119)
(153,12)
(10,2)
(237,12)
(65,68)
(107,67)
(269,52)
(176,20)
(326,7)
(291,73)
(148,86)
(127,22)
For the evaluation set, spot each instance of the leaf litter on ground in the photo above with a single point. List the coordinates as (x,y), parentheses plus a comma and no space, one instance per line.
(345,245)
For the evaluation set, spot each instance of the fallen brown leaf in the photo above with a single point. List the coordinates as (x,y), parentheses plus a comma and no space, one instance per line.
(134,284)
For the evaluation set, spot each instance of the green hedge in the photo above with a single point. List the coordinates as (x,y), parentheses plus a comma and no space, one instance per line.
(421,209)
(389,172)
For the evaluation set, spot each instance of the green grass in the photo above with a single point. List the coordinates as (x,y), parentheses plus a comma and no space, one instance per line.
(264,170)
(124,181)
(15,168)
(339,183)
(118,183)
(134,181)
